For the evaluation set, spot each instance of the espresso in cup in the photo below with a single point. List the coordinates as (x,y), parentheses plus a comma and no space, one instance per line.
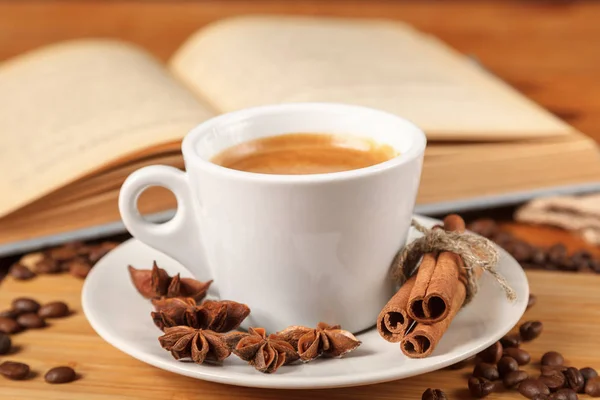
(304,154)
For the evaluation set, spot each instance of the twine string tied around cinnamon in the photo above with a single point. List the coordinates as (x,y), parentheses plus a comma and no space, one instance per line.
(476,252)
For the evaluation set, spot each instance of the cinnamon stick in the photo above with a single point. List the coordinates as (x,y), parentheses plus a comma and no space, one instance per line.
(393,320)
(434,291)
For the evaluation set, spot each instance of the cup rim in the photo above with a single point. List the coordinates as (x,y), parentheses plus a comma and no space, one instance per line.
(416,149)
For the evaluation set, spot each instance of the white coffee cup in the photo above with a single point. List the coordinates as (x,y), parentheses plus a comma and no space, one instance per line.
(297,249)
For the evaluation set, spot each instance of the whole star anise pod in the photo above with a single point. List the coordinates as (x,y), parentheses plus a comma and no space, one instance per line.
(157,283)
(218,316)
(266,354)
(198,344)
(326,340)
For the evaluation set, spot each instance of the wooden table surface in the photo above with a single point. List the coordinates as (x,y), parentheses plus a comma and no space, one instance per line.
(548,51)
(567,304)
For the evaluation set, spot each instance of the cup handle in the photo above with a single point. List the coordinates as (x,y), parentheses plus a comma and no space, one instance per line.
(178,238)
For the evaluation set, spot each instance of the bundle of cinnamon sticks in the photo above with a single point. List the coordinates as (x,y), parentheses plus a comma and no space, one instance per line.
(431,298)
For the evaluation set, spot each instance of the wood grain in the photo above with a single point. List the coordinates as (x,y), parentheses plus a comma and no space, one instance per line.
(567,304)
(547,50)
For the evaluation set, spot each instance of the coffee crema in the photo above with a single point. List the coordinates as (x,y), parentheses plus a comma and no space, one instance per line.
(304,154)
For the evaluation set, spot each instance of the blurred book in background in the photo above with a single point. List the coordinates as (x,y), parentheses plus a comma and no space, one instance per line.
(78,117)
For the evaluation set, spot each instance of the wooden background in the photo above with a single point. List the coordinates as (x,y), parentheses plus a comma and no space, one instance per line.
(550,51)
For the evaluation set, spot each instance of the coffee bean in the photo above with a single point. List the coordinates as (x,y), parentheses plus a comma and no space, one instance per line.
(13,314)
(532,300)
(5,343)
(480,387)
(580,263)
(588,373)
(557,253)
(513,378)
(538,257)
(592,387)
(492,354)
(21,272)
(554,381)
(31,321)
(533,387)
(25,305)
(574,379)
(553,359)
(595,265)
(55,309)
(506,365)
(487,371)
(429,394)
(511,340)
(9,325)
(550,369)
(80,268)
(530,330)
(521,356)
(99,251)
(14,370)
(67,374)
(565,394)
(485,227)
(62,253)
(541,397)
(582,254)
(568,265)
(47,265)
(521,251)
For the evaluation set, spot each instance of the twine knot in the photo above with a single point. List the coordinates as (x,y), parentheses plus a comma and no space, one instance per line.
(476,251)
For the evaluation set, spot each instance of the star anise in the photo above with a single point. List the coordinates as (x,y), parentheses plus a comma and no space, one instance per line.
(266,354)
(218,316)
(157,283)
(198,344)
(326,340)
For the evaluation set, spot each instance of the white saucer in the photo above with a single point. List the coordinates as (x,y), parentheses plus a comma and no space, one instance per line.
(122,317)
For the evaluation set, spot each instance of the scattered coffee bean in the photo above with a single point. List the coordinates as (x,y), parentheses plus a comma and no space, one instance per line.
(588,373)
(62,253)
(506,365)
(595,265)
(521,356)
(80,268)
(549,369)
(530,330)
(557,253)
(574,379)
(5,343)
(429,394)
(538,257)
(592,387)
(553,359)
(565,394)
(21,272)
(492,354)
(511,340)
(31,321)
(9,314)
(541,397)
(533,387)
(485,227)
(513,378)
(14,370)
(9,325)
(554,380)
(47,266)
(487,371)
(25,305)
(99,251)
(480,387)
(55,309)
(532,300)
(67,374)
(582,254)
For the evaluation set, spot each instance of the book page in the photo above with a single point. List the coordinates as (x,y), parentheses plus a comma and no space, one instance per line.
(69,109)
(250,61)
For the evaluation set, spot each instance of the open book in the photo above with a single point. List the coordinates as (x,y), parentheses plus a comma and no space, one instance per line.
(78,117)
